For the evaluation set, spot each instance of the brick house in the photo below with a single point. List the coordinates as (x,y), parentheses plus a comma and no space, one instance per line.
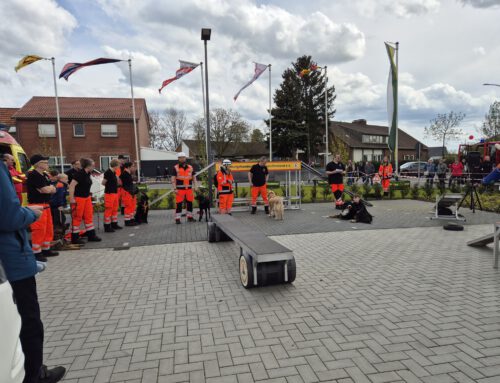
(99,128)
(6,120)
(369,142)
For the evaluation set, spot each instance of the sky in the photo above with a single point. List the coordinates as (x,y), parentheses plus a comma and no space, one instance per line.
(448,49)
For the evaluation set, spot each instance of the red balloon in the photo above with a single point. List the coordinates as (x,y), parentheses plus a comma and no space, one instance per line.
(471,137)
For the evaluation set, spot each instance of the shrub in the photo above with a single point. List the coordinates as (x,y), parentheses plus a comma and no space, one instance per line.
(428,190)
(243,192)
(414,191)
(377,191)
(355,188)
(326,191)
(368,190)
(171,200)
(314,192)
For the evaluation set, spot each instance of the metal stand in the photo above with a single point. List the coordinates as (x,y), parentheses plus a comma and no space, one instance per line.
(496,246)
(474,198)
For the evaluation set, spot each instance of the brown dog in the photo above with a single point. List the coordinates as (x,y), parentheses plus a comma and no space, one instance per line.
(276,207)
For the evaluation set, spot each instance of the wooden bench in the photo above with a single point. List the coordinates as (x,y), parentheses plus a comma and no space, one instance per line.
(262,261)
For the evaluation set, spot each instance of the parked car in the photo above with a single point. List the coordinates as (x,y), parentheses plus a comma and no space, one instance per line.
(411,168)
(12,357)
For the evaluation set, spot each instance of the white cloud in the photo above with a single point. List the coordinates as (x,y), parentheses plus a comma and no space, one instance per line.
(400,8)
(481,3)
(34,27)
(479,51)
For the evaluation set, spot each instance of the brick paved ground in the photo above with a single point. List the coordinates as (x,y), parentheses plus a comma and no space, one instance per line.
(388,214)
(395,305)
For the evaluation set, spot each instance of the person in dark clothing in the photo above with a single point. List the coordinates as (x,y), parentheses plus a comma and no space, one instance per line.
(129,193)
(335,171)
(75,166)
(355,211)
(257,178)
(19,263)
(80,199)
(58,200)
(111,198)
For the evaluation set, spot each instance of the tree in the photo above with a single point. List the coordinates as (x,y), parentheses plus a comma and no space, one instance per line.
(491,124)
(298,118)
(227,129)
(445,126)
(168,129)
(257,136)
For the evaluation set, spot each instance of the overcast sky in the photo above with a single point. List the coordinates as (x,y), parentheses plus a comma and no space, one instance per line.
(448,49)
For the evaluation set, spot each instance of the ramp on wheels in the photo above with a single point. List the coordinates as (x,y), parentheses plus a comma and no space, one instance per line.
(261,260)
(482,241)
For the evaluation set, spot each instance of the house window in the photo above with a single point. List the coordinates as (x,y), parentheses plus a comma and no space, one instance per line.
(370,139)
(368,155)
(409,157)
(78,130)
(105,160)
(46,130)
(109,130)
(56,161)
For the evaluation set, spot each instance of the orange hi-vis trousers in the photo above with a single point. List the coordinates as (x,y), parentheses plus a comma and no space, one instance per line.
(130,203)
(385,184)
(225,202)
(42,231)
(262,190)
(111,207)
(82,210)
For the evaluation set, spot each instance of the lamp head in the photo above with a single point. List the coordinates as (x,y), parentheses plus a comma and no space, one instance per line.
(205,34)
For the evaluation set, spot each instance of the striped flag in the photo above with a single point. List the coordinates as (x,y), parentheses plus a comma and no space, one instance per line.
(71,68)
(259,69)
(392,97)
(304,72)
(185,68)
(27,60)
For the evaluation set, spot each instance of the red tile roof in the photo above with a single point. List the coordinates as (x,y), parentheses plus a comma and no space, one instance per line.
(6,116)
(81,108)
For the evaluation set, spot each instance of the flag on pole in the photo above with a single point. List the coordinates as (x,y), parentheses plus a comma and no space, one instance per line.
(307,71)
(27,60)
(185,68)
(259,69)
(392,97)
(71,68)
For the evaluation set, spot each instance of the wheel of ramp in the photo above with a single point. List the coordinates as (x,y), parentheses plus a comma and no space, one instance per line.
(453,227)
(292,270)
(246,271)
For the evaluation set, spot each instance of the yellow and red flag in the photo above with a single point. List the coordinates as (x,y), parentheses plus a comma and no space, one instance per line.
(27,60)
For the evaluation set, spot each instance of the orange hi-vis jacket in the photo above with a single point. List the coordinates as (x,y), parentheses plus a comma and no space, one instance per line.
(224,182)
(183,176)
(385,171)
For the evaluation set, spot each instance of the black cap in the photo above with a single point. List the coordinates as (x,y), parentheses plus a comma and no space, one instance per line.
(37,158)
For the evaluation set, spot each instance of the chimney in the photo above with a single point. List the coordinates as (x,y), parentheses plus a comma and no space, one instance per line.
(361,121)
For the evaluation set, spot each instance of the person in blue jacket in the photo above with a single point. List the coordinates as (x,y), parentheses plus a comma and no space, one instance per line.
(20,266)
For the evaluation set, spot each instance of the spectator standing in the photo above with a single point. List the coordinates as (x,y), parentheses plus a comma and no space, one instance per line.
(39,193)
(441,170)
(20,266)
(258,177)
(58,200)
(430,171)
(369,172)
(385,173)
(350,170)
(75,166)
(111,199)
(457,172)
(129,193)
(335,171)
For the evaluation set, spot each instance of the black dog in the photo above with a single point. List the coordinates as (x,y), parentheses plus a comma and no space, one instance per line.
(204,205)
(141,215)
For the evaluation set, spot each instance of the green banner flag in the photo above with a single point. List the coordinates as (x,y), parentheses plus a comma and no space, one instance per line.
(392,97)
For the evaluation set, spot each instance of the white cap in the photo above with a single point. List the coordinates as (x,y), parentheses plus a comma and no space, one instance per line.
(226,162)
(181,154)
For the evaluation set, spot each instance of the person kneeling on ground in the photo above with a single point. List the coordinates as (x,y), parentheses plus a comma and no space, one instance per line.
(354,211)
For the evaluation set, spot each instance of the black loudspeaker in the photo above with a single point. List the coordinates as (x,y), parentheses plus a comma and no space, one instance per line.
(473,160)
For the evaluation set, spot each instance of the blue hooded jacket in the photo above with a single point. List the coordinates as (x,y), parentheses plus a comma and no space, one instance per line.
(15,251)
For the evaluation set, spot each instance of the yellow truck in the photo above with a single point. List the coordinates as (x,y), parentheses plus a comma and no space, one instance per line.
(9,145)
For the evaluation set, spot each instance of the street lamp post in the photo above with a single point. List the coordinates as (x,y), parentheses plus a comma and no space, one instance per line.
(205,36)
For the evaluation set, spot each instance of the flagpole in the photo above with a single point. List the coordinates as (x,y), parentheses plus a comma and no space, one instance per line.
(203,89)
(58,115)
(135,123)
(396,148)
(270,120)
(327,149)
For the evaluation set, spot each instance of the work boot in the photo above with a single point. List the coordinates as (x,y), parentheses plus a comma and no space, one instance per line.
(177,221)
(40,257)
(51,376)
(122,210)
(130,222)
(266,208)
(115,226)
(92,236)
(108,228)
(190,219)
(254,209)
(50,253)
(76,240)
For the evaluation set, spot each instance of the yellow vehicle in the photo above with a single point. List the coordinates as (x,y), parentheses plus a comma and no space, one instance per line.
(9,145)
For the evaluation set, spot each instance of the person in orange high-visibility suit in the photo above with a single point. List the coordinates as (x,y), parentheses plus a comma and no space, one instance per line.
(118,172)
(111,200)
(225,183)
(18,178)
(385,173)
(257,178)
(129,193)
(80,199)
(39,193)
(183,181)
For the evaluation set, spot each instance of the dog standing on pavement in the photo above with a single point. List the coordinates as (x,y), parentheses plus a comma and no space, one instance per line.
(276,207)
(204,206)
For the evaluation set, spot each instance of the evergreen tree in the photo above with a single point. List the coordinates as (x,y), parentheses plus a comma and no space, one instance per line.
(298,117)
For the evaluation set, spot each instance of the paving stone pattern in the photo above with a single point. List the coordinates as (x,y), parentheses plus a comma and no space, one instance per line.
(396,305)
(311,219)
